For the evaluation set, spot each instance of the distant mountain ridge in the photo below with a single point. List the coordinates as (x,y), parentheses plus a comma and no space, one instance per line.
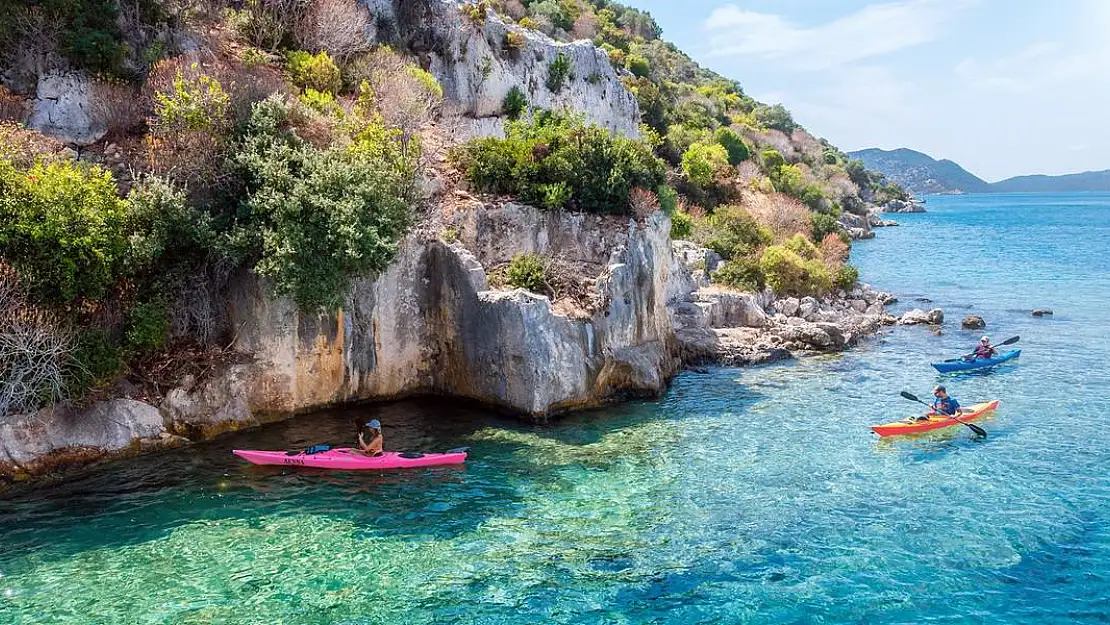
(922,174)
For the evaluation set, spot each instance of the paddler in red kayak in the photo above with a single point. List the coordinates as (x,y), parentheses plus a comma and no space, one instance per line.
(943,404)
(372,429)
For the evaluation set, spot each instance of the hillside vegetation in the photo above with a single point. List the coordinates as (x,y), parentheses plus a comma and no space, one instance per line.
(272,136)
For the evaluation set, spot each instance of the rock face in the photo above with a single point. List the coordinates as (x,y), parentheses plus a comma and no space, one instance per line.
(899,206)
(54,433)
(62,109)
(430,324)
(477,69)
(918,316)
(973,322)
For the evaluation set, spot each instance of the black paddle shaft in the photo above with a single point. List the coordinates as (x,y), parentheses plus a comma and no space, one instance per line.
(974,428)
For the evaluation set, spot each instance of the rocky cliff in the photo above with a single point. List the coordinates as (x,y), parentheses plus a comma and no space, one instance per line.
(477,66)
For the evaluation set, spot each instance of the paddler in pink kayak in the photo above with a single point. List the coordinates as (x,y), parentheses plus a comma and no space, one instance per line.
(373,430)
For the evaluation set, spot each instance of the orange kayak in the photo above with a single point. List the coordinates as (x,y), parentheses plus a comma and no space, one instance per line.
(935,422)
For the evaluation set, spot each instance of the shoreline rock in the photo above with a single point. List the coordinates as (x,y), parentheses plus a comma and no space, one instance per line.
(920,317)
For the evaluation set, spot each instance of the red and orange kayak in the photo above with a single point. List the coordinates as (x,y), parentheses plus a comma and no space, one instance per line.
(935,422)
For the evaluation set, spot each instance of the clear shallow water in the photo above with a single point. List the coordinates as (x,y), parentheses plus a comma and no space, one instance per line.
(753,496)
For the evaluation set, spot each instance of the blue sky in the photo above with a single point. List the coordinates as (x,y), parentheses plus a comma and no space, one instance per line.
(1002,87)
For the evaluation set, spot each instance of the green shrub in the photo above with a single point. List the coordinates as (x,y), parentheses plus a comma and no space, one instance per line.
(196,102)
(321,101)
(529,23)
(558,73)
(734,233)
(638,65)
(252,57)
(743,274)
(772,159)
(316,71)
(790,274)
(703,162)
(514,104)
(527,271)
(846,277)
(168,237)
(554,196)
(97,360)
(732,143)
(813,196)
(599,169)
(823,225)
(682,225)
(63,230)
(668,199)
(315,218)
(801,246)
(775,117)
(148,327)
(679,138)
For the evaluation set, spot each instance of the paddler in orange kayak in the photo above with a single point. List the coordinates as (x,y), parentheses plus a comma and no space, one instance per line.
(943,404)
(371,430)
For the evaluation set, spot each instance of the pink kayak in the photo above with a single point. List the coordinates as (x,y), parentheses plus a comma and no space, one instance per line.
(346,459)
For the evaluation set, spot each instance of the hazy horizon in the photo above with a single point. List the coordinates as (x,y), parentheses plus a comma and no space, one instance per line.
(1003,89)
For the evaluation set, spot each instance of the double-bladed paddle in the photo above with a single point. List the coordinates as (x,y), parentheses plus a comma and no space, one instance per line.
(974,428)
(1009,341)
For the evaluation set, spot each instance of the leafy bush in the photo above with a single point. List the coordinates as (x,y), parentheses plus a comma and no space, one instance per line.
(743,274)
(515,103)
(148,327)
(554,196)
(527,271)
(772,159)
(558,73)
(598,168)
(168,237)
(824,225)
(702,163)
(668,199)
(775,117)
(682,225)
(193,102)
(638,65)
(801,246)
(97,359)
(734,233)
(529,23)
(315,71)
(846,277)
(62,230)
(732,143)
(790,274)
(315,218)
(320,101)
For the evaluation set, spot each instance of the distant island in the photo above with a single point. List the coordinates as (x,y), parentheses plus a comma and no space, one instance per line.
(922,174)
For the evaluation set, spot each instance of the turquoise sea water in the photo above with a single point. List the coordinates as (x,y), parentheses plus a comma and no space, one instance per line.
(743,496)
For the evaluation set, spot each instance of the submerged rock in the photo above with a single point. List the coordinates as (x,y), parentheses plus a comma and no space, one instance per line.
(1041,312)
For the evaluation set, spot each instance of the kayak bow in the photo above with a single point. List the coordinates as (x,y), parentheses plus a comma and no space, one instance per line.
(935,421)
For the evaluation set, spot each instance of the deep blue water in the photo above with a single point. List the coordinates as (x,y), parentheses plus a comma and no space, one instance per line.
(743,496)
